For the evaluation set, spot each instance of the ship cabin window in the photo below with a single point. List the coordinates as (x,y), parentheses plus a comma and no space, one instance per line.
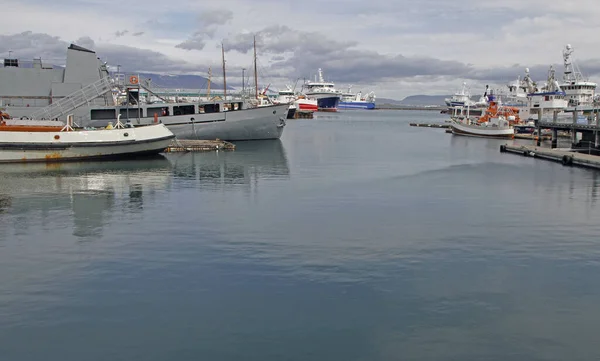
(100,114)
(160,111)
(184,110)
(547,97)
(211,108)
(129,113)
(11,62)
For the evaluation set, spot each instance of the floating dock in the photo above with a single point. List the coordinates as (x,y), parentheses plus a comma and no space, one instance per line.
(430,125)
(531,136)
(300,114)
(567,158)
(193,145)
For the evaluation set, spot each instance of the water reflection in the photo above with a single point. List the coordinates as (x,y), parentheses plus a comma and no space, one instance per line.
(248,163)
(92,191)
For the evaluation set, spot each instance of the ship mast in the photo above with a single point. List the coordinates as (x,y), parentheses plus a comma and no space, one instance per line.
(255,72)
(224,77)
(209,75)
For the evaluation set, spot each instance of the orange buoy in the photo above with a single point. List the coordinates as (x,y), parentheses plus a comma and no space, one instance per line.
(133,79)
(155,117)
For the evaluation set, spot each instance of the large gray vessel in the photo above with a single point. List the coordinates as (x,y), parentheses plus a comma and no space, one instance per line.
(85,88)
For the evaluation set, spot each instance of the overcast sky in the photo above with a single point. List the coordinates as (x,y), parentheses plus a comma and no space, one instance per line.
(395,48)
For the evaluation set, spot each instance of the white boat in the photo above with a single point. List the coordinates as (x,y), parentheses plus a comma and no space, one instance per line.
(578,90)
(494,123)
(549,98)
(287,96)
(36,141)
(324,93)
(462,98)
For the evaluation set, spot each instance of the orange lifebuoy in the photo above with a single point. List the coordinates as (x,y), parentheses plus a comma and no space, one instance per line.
(133,79)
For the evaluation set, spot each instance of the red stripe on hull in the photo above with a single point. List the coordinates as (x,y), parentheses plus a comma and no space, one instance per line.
(307,107)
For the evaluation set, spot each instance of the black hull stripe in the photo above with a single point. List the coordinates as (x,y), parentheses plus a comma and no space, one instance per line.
(143,153)
(460,132)
(62,146)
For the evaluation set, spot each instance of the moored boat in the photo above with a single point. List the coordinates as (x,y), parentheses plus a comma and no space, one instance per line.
(324,93)
(357,101)
(39,142)
(86,89)
(495,122)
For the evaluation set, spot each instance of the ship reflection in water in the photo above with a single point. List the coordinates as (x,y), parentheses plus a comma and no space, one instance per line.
(246,165)
(98,192)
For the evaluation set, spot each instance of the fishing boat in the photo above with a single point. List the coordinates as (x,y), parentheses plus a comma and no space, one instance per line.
(39,141)
(287,96)
(324,93)
(350,100)
(496,122)
(304,104)
(579,91)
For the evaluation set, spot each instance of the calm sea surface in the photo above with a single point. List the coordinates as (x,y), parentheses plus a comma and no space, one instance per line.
(355,237)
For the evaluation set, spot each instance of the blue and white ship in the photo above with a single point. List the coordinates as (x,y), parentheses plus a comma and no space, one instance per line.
(324,93)
(357,101)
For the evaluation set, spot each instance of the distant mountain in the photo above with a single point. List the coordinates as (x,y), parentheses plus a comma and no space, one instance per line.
(388,101)
(424,100)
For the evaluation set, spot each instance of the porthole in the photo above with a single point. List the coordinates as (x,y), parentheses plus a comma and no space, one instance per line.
(57,137)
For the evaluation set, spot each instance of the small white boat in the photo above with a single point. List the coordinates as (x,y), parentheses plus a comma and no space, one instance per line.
(35,141)
(496,122)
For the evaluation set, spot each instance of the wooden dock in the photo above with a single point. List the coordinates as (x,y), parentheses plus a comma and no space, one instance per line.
(192,145)
(430,125)
(531,136)
(303,114)
(567,158)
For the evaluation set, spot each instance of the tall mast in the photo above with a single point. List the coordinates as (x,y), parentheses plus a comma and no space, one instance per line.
(209,75)
(255,72)
(224,76)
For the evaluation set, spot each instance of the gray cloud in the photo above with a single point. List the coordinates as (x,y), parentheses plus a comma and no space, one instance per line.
(139,33)
(29,45)
(340,61)
(121,33)
(208,23)
(290,55)
(196,42)
(85,42)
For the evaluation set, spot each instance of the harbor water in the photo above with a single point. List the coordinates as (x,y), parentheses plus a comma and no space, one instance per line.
(354,237)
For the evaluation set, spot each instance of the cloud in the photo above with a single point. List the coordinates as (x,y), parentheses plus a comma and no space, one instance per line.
(208,23)
(394,48)
(85,42)
(29,45)
(340,60)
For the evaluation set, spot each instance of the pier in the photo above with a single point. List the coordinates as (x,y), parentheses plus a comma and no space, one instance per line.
(430,125)
(567,158)
(303,114)
(193,145)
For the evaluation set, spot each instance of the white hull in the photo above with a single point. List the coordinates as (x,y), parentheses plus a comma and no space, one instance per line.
(19,146)
(323,95)
(266,122)
(482,131)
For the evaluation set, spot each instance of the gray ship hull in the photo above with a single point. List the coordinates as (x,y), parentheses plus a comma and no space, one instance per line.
(246,124)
